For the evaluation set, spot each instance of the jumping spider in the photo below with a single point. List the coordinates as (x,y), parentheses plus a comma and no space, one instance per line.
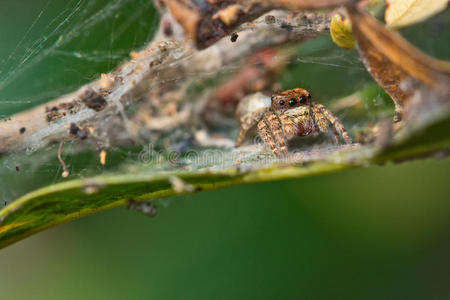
(290,113)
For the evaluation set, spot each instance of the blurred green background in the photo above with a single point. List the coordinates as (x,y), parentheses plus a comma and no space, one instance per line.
(378,233)
(375,233)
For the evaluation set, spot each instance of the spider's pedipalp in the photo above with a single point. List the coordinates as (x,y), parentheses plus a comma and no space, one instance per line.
(288,125)
(277,130)
(337,125)
(266,135)
(247,121)
(301,120)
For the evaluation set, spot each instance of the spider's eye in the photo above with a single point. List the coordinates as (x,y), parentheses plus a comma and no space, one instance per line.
(281,102)
(292,102)
(302,100)
(309,96)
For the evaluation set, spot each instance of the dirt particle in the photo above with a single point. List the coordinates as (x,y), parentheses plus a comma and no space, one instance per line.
(93,100)
(397,117)
(180,186)
(119,79)
(83,134)
(287,26)
(56,112)
(167,28)
(103,157)
(269,19)
(51,114)
(106,82)
(234,37)
(229,15)
(90,189)
(144,207)
(74,129)
(71,107)
(77,131)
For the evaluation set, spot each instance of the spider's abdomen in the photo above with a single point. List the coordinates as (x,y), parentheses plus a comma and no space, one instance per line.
(252,103)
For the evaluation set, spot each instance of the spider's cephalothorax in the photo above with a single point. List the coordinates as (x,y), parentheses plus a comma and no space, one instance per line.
(291,113)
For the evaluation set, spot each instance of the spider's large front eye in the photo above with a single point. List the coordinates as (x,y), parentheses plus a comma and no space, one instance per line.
(302,100)
(292,102)
(281,102)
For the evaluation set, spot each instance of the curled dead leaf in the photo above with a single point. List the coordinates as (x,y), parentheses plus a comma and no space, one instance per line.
(400,13)
(396,65)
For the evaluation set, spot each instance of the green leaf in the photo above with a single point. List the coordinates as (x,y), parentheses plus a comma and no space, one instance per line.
(59,203)
(66,201)
(71,200)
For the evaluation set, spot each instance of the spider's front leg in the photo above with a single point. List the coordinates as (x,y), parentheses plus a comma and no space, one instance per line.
(271,131)
(338,127)
(319,119)
(247,121)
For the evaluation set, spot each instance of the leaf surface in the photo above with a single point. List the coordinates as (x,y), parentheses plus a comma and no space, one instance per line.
(401,13)
(66,201)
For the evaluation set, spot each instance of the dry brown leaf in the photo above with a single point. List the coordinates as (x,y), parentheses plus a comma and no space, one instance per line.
(400,13)
(393,62)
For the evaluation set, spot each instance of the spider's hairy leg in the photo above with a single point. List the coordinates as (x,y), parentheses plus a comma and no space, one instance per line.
(337,125)
(277,131)
(336,136)
(247,121)
(266,135)
(320,119)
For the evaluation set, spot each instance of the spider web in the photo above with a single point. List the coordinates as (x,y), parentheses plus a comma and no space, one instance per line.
(66,44)
(61,39)
(54,48)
